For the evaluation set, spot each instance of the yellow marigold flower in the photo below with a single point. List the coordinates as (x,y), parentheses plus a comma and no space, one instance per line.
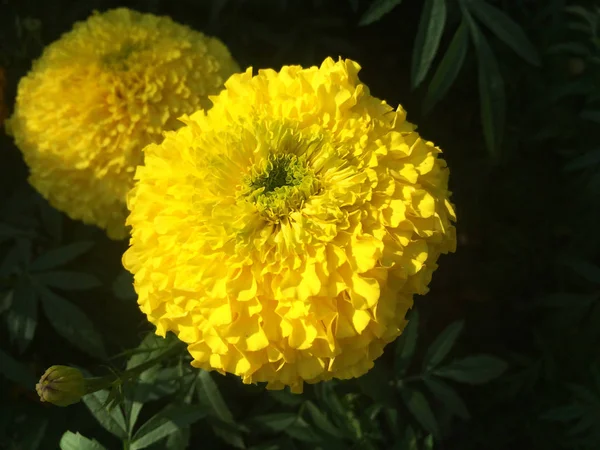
(3,108)
(101,93)
(283,234)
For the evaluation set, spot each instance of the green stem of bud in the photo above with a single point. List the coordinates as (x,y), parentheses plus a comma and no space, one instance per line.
(99,383)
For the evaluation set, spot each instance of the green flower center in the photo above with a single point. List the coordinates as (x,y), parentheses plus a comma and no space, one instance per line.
(280,185)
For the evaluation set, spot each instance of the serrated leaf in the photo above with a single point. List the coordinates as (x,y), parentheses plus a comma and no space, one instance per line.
(491,91)
(419,407)
(123,286)
(168,421)
(429,34)
(211,397)
(111,419)
(442,345)
(587,160)
(156,383)
(150,347)
(449,67)
(473,369)
(22,317)
(505,29)
(322,421)
(60,256)
(377,10)
(71,323)
(76,441)
(16,372)
(67,280)
(406,345)
(448,396)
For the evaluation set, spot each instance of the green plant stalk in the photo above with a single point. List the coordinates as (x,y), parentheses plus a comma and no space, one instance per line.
(98,383)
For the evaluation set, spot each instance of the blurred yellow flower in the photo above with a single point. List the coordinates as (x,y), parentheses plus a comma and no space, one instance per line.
(3,108)
(101,93)
(283,234)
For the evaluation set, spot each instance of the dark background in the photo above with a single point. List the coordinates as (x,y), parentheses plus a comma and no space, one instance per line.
(524,279)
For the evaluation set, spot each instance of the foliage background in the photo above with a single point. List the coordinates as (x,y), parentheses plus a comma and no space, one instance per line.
(501,354)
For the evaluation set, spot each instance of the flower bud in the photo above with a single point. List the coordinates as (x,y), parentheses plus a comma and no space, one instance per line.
(61,386)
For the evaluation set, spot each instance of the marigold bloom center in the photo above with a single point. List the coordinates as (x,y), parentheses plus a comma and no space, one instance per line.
(281,184)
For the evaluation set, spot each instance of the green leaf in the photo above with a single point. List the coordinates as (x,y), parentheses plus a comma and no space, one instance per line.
(67,280)
(506,30)
(587,270)
(6,300)
(210,396)
(72,441)
(16,257)
(111,419)
(377,10)
(592,116)
(150,347)
(449,67)
(16,372)
(123,286)
(473,369)
(428,442)
(229,433)
(22,317)
(407,343)
(168,421)
(302,431)
(71,323)
(429,34)
(322,421)
(448,397)
(60,256)
(442,345)
(285,397)
(491,91)
(10,232)
(585,161)
(276,421)
(179,440)
(409,440)
(418,405)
